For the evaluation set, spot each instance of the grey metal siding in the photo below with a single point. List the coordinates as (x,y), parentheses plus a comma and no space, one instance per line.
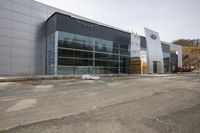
(23,37)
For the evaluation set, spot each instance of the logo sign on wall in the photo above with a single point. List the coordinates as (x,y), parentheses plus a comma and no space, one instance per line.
(154,37)
(154,50)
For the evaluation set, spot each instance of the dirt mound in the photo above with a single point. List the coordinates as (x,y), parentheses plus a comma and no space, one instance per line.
(191,56)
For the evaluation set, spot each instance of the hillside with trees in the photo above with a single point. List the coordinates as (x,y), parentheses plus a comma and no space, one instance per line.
(188,42)
(191,51)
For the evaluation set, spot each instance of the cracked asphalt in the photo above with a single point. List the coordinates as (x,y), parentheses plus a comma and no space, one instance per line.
(132,104)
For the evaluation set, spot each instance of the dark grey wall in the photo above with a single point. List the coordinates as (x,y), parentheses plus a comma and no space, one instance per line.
(165,48)
(143,42)
(61,22)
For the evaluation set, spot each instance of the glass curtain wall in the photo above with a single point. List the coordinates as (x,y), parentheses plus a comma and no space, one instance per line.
(78,54)
(166,57)
(51,54)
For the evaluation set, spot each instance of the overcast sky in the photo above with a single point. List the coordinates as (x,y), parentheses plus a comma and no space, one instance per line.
(173,19)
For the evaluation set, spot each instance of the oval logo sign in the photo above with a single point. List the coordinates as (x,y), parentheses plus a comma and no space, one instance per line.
(154,37)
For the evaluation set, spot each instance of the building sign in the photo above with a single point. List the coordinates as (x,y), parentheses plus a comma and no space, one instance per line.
(154,51)
(154,37)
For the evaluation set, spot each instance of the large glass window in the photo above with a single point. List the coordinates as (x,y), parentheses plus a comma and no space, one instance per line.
(103,48)
(65,61)
(124,46)
(165,48)
(78,54)
(80,62)
(143,43)
(82,39)
(65,53)
(76,46)
(51,54)
(64,36)
(65,44)
(124,52)
(166,58)
(108,43)
(98,41)
(103,56)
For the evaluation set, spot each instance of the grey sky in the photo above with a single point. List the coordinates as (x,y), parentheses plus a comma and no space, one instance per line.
(173,19)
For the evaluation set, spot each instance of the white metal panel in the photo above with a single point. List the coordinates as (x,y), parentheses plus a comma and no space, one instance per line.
(21,9)
(5,32)
(4,13)
(6,4)
(5,41)
(5,51)
(20,52)
(21,18)
(21,35)
(20,43)
(5,70)
(21,26)
(20,61)
(39,6)
(154,50)
(5,61)
(20,70)
(38,14)
(26,3)
(5,23)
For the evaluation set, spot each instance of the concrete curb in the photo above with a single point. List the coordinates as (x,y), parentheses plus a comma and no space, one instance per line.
(53,77)
(32,78)
(57,77)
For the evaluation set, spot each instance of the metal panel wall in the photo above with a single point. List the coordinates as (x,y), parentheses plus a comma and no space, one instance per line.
(154,51)
(22,36)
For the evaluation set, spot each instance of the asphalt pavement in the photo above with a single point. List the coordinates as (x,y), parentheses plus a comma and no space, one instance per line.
(127,104)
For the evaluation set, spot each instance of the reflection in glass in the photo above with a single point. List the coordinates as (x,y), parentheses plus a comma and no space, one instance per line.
(78,54)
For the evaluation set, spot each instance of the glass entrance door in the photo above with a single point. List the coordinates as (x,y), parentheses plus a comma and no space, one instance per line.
(155,67)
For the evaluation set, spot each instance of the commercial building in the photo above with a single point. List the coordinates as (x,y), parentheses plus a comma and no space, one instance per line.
(151,55)
(76,46)
(36,39)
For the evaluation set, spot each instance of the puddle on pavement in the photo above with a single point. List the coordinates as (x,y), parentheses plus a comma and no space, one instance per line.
(22,104)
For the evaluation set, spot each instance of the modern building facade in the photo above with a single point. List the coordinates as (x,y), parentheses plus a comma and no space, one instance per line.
(154,55)
(37,39)
(76,46)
